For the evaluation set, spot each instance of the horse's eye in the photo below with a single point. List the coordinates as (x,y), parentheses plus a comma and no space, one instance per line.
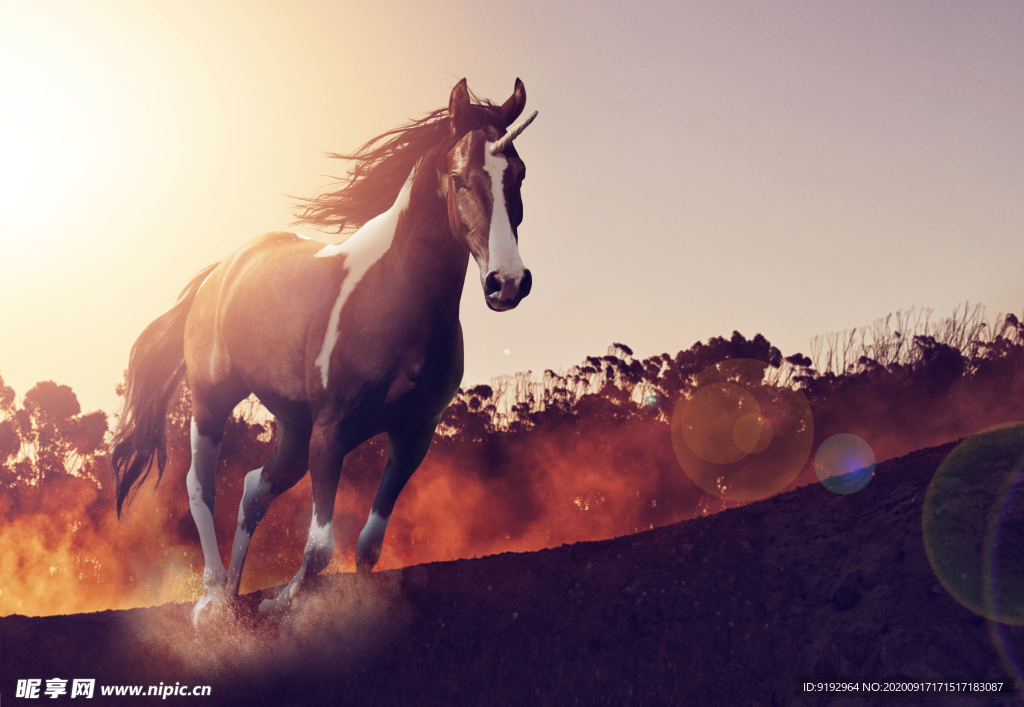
(457,181)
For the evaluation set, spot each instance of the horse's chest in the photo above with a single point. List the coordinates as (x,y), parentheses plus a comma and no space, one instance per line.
(418,379)
(407,381)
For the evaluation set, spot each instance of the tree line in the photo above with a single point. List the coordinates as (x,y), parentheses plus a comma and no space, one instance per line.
(905,376)
(532,461)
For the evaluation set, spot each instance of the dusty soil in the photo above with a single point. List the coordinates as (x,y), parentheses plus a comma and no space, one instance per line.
(723,610)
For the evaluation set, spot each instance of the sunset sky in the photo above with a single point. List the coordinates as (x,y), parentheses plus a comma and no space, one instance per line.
(781,168)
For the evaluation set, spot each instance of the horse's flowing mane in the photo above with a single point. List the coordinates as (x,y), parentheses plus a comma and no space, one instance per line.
(381,166)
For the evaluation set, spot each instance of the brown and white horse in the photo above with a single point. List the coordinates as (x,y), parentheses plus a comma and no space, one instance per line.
(339,342)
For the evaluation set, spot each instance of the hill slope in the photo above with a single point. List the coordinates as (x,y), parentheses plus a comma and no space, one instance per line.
(726,609)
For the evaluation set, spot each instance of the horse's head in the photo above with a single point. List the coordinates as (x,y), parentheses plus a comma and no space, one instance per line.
(482,187)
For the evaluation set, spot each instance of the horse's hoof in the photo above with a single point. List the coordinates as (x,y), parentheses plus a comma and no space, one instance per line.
(366,562)
(269,607)
(277,604)
(212,608)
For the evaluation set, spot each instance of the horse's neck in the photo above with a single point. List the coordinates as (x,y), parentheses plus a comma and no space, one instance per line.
(424,247)
(414,244)
(413,236)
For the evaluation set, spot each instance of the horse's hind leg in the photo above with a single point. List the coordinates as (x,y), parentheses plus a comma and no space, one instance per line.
(327,452)
(209,413)
(207,434)
(284,468)
(406,450)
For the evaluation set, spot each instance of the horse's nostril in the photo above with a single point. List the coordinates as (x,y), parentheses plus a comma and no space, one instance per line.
(491,284)
(526,284)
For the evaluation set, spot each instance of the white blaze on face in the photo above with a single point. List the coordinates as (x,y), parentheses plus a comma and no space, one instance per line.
(502,248)
(362,249)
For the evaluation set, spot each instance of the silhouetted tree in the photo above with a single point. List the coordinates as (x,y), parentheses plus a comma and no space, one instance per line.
(47,436)
(10,441)
(58,436)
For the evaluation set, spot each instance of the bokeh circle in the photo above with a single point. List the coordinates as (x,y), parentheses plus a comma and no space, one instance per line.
(973,523)
(739,437)
(844,463)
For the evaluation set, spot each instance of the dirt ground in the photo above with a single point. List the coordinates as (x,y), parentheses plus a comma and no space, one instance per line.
(723,610)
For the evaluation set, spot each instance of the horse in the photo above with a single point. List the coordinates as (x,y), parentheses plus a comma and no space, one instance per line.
(340,342)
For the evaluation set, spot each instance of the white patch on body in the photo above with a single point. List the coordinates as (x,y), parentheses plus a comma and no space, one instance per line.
(204,463)
(364,248)
(503,251)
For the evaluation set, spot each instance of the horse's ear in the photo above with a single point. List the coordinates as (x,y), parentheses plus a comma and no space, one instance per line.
(513,107)
(459,109)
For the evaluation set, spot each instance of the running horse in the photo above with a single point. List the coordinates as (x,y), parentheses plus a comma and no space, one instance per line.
(339,342)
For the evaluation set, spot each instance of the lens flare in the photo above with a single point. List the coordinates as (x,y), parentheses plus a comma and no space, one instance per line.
(739,437)
(1010,644)
(973,523)
(752,433)
(709,422)
(844,463)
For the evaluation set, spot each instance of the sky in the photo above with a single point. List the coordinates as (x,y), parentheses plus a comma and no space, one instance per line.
(784,168)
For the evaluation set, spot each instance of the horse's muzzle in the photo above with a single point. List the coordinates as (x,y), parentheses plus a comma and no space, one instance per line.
(503,291)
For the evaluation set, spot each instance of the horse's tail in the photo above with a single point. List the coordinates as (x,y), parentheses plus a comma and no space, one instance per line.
(155,368)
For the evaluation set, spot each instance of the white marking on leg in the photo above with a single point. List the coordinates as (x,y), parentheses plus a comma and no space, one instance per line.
(200,478)
(364,248)
(502,248)
(254,496)
(372,535)
(253,489)
(321,537)
(316,556)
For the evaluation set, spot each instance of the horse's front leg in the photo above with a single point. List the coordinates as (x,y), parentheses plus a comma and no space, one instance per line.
(406,450)
(284,468)
(326,453)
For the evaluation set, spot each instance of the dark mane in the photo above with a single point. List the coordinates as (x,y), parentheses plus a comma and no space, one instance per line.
(381,167)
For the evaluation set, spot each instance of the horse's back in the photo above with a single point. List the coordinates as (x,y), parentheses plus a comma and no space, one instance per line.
(251,321)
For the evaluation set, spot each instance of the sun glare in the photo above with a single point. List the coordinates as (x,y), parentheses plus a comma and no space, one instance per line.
(59,130)
(98,109)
